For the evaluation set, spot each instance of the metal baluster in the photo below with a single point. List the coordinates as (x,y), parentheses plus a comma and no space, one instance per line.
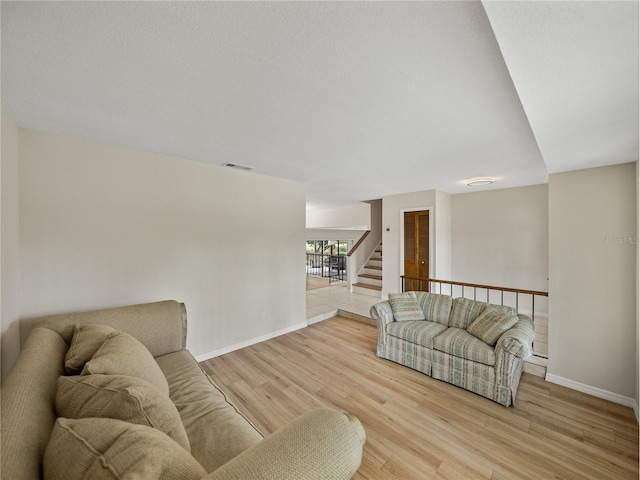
(533,308)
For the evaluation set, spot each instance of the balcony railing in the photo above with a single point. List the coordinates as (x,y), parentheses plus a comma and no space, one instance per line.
(524,301)
(333,267)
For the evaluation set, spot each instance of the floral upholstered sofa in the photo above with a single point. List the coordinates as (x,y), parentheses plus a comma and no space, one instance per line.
(474,345)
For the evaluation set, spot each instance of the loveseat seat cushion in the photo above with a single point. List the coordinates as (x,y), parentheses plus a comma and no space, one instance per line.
(217,431)
(420,332)
(121,397)
(110,449)
(465,311)
(462,344)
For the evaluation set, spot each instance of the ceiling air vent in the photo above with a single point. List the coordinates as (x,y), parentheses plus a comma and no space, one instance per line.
(237,166)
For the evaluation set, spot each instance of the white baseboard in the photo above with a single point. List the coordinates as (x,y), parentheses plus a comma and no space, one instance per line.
(248,343)
(596,392)
(635,409)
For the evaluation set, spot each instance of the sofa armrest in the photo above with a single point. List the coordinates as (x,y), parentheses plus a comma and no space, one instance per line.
(320,444)
(518,340)
(28,404)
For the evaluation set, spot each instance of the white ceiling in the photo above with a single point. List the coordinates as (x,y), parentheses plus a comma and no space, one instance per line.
(358,100)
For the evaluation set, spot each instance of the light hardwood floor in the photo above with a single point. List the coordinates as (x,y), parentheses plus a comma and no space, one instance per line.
(421,428)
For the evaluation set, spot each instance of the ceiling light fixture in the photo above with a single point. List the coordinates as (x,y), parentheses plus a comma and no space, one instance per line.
(480,181)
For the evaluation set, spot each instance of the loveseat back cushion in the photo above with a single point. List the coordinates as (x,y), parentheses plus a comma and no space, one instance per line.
(491,324)
(86,341)
(418,332)
(462,344)
(465,311)
(110,449)
(405,307)
(122,397)
(436,307)
(121,354)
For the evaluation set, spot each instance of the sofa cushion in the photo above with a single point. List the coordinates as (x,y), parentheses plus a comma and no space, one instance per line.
(122,397)
(405,307)
(418,332)
(121,354)
(105,448)
(436,307)
(465,311)
(462,344)
(491,324)
(86,341)
(217,431)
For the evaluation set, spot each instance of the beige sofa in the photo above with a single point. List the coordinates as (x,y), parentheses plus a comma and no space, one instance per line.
(474,345)
(177,424)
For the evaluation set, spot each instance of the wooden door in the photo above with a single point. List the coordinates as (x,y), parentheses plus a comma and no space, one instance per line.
(416,250)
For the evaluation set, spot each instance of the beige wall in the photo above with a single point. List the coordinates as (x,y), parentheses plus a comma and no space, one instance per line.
(443,235)
(9,244)
(393,208)
(637,375)
(500,237)
(592,281)
(103,226)
(350,216)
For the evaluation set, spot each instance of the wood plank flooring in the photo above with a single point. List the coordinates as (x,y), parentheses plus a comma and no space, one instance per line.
(421,428)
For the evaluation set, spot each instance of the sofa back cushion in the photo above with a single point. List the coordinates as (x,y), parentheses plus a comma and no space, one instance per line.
(405,307)
(86,341)
(436,307)
(109,449)
(465,311)
(126,398)
(121,354)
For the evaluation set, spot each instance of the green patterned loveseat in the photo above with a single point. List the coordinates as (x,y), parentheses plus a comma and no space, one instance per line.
(474,345)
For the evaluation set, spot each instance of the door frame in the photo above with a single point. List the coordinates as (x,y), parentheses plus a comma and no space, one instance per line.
(431,238)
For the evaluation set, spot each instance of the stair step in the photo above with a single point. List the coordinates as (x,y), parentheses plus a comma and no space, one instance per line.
(370,287)
(373,267)
(373,277)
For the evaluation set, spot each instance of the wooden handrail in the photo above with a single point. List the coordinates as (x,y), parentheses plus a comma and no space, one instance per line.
(353,249)
(422,282)
(477,285)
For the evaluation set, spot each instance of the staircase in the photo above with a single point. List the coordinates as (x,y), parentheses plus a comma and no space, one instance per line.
(370,276)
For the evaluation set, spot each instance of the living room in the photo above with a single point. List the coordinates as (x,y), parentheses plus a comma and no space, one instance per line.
(95,217)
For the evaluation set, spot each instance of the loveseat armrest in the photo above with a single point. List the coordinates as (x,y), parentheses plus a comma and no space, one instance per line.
(320,444)
(518,340)
(383,315)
